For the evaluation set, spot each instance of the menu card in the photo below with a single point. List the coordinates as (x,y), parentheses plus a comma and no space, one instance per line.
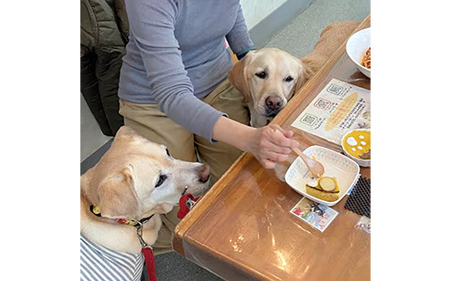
(339,108)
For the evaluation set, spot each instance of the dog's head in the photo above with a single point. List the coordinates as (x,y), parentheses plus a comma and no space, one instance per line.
(268,78)
(137,178)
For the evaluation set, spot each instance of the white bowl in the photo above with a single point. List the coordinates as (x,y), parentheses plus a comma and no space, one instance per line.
(357,46)
(336,165)
(361,162)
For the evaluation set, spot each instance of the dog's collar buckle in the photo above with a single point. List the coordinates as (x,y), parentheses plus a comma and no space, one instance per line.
(139,234)
(137,224)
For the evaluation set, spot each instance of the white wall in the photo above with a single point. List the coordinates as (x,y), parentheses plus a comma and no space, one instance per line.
(256,10)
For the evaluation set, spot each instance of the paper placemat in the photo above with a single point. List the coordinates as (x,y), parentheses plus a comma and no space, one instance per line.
(337,109)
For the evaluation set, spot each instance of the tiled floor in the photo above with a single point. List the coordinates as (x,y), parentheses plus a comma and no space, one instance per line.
(297,38)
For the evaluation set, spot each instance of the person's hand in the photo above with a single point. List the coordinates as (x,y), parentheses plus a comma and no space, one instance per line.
(267,145)
(270,147)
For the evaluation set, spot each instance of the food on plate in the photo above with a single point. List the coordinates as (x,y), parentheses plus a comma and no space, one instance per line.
(357,144)
(325,188)
(365,61)
(366,155)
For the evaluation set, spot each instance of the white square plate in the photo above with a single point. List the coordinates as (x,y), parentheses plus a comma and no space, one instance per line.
(336,165)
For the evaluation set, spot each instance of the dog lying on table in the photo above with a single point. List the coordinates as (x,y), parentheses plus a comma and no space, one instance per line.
(121,200)
(269,77)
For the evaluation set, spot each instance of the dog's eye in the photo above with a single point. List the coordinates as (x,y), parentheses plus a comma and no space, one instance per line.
(289,79)
(167,152)
(161,180)
(261,74)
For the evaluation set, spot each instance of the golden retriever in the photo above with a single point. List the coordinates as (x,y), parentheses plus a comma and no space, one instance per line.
(133,183)
(269,77)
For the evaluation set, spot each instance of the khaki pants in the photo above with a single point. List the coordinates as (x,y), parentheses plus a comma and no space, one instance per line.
(154,125)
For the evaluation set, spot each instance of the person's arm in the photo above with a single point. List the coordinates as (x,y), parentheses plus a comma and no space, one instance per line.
(153,24)
(238,38)
(267,146)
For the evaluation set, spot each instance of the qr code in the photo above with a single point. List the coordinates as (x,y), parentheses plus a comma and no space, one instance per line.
(308,119)
(335,89)
(322,103)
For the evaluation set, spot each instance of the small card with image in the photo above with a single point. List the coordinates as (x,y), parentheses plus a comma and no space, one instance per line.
(317,215)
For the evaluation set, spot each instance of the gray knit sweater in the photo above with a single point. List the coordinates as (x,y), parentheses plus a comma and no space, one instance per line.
(176,56)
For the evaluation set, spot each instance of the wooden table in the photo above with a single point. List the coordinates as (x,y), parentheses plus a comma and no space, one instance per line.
(243,230)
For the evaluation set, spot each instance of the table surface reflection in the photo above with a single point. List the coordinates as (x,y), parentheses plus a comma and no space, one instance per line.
(243,230)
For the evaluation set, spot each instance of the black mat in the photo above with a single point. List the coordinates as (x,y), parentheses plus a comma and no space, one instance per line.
(359,200)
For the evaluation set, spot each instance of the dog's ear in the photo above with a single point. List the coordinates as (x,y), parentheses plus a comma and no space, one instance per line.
(128,135)
(126,131)
(238,77)
(117,196)
(305,73)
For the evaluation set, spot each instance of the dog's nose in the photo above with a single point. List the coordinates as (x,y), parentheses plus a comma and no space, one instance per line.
(273,102)
(204,173)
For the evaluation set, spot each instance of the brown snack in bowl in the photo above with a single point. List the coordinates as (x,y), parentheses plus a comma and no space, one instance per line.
(325,188)
(365,155)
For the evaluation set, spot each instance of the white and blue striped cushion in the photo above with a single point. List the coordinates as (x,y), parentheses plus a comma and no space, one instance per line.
(99,263)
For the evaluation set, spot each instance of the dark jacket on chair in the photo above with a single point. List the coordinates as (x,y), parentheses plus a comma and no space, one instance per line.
(104,34)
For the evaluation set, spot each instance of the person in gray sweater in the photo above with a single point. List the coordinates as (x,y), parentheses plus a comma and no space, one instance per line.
(174,90)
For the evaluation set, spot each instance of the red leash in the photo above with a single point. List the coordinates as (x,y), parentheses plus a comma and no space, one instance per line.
(186,203)
(150,262)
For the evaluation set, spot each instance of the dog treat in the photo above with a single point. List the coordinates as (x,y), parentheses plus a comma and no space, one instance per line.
(324,188)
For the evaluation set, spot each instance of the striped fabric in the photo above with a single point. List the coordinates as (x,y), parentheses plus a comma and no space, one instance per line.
(99,263)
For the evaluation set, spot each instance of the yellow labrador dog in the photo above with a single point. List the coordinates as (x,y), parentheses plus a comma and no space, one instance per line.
(269,77)
(121,200)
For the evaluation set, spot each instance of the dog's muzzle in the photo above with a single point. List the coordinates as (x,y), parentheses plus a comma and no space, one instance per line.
(273,105)
(271,113)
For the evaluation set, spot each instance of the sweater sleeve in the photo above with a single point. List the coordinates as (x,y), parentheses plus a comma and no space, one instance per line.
(238,38)
(153,25)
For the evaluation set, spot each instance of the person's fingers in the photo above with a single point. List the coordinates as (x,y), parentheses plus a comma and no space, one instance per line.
(267,164)
(272,159)
(276,157)
(286,133)
(274,145)
(271,147)
(278,140)
(268,144)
